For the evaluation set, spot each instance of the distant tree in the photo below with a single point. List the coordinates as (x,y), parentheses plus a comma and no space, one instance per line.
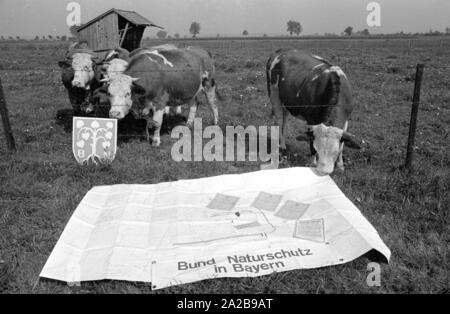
(365,32)
(2,38)
(50,37)
(58,38)
(63,37)
(294,27)
(10,38)
(43,37)
(447,31)
(177,35)
(36,38)
(194,29)
(161,34)
(218,35)
(265,35)
(348,31)
(245,33)
(18,37)
(169,37)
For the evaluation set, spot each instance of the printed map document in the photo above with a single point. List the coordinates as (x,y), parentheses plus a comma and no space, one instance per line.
(242,225)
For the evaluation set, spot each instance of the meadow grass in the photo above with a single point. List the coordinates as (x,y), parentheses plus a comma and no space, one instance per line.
(41,185)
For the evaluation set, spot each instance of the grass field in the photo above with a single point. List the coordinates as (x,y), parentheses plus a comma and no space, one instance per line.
(41,185)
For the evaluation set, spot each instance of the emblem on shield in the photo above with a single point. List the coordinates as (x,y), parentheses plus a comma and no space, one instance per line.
(94,140)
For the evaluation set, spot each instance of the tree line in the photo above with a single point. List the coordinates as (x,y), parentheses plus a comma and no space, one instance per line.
(296,28)
(293,28)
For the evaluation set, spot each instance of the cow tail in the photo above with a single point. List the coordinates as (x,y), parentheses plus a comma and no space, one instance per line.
(219,95)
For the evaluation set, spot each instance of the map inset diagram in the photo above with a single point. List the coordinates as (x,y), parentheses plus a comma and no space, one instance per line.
(223,202)
(267,201)
(266,215)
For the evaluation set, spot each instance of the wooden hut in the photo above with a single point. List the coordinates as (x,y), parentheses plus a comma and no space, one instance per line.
(114,28)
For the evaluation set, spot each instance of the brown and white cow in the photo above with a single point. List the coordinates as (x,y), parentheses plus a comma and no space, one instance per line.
(80,76)
(162,76)
(312,89)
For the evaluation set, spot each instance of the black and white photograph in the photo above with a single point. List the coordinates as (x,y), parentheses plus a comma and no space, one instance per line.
(232,149)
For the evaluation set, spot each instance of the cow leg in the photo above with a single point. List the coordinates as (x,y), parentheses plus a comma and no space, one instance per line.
(278,113)
(340,160)
(175,110)
(157,122)
(193,104)
(212,102)
(314,160)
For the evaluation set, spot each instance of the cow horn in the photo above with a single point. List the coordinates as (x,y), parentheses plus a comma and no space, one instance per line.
(352,141)
(134,79)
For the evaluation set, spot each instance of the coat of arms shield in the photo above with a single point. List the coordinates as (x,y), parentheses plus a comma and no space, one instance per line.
(94,140)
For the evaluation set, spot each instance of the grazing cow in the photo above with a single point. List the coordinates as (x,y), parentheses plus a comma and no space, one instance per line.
(116,61)
(80,76)
(312,89)
(162,76)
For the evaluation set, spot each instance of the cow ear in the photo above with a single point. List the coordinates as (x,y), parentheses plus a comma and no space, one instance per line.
(307,136)
(64,64)
(352,141)
(100,92)
(138,90)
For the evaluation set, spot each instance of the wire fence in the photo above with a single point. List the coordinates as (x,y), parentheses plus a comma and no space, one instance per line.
(411,46)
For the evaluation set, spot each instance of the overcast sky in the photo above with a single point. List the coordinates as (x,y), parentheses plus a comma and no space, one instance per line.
(28,18)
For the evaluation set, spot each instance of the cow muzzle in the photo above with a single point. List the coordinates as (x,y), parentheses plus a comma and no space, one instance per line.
(325,168)
(114,114)
(80,84)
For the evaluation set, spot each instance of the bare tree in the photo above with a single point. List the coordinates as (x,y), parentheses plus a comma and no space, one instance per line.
(194,30)
(294,27)
(245,33)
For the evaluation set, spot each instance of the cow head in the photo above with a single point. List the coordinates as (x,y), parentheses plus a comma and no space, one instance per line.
(113,68)
(121,91)
(83,67)
(328,144)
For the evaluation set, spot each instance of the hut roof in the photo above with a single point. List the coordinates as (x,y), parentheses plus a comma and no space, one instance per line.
(130,16)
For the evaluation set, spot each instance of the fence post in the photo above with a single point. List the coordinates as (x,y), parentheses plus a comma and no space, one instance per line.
(5,118)
(413,121)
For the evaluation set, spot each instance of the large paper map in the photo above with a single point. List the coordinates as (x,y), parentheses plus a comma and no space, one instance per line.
(227,226)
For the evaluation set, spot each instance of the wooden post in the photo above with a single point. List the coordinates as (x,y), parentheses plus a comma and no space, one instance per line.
(124,34)
(5,118)
(413,121)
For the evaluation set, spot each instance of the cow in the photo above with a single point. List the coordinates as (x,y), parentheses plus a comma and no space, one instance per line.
(312,89)
(80,76)
(162,76)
